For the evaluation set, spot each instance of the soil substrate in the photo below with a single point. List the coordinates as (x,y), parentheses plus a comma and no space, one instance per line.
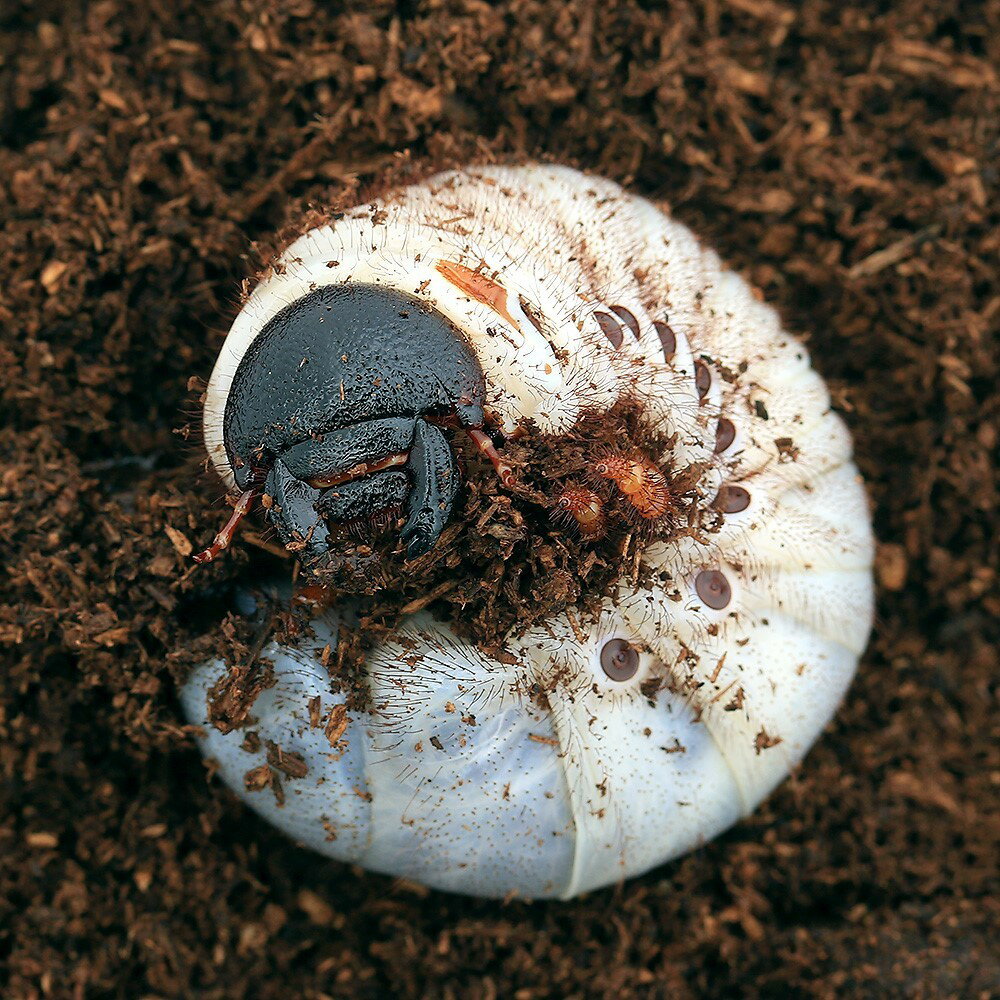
(842,156)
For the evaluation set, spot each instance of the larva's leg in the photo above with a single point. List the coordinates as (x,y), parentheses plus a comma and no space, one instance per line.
(290,505)
(435,483)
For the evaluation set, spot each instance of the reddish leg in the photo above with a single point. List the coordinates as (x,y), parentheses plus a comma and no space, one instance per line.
(486,447)
(225,536)
(360,470)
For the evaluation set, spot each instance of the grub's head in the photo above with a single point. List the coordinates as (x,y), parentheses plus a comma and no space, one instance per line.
(335,409)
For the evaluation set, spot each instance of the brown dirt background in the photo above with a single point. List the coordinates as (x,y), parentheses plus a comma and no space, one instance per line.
(843,156)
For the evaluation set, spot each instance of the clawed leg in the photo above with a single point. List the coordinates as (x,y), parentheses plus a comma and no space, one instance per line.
(435,483)
(351,473)
(224,538)
(487,448)
(291,508)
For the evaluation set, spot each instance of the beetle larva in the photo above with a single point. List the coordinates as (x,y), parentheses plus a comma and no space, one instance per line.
(598,746)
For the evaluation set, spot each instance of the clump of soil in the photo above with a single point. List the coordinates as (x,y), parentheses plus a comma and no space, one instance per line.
(507,561)
(842,156)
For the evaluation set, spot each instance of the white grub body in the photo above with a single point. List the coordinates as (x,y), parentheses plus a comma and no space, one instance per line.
(459,777)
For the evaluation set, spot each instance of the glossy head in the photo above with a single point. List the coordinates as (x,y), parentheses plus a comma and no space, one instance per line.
(326,413)
(343,355)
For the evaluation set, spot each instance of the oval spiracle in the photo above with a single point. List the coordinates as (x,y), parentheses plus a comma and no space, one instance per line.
(567,764)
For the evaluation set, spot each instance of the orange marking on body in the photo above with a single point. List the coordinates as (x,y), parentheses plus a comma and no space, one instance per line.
(583,507)
(643,484)
(480,287)
(359,470)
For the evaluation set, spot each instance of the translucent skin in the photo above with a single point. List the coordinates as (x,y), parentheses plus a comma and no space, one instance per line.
(609,778)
